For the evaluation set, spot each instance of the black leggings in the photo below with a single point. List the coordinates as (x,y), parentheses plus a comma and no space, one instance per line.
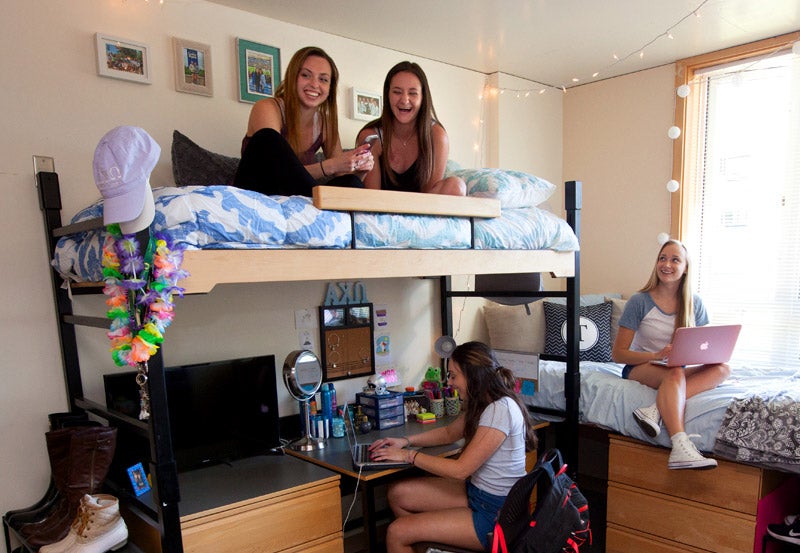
(270,166)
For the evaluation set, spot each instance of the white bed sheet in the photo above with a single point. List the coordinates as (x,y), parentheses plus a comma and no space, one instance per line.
(609,401)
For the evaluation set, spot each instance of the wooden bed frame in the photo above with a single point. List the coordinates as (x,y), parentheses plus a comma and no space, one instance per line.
(209,268)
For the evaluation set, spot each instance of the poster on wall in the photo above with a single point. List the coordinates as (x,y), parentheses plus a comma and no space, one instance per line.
(121,58)
(192,67)
(259,70)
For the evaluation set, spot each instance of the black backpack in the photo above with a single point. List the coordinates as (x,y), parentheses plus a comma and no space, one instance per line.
(559,521)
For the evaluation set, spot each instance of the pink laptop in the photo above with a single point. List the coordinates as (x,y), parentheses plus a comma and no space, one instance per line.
(701,345)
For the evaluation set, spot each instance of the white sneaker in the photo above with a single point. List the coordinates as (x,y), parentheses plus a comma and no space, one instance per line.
(649,420)
(97,528)
(684,454)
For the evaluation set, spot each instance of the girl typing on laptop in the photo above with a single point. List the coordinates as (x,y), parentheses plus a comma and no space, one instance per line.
(645,334)
(458,504)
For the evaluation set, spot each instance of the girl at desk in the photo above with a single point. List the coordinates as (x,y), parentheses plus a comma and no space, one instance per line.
(457,505)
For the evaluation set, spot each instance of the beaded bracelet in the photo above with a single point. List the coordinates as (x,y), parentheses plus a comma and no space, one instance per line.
(321,166)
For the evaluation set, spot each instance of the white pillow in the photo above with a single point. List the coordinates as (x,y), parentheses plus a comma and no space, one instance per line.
(617,307)
(514,189)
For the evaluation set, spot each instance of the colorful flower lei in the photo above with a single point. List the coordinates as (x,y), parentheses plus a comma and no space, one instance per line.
(140,288)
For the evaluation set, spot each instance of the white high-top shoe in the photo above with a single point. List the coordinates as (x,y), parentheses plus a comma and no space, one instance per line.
(97,528)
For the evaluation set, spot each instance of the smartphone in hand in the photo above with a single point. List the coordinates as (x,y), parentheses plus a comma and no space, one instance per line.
(369,140)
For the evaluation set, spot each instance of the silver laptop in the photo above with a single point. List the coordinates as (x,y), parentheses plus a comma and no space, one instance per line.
(701,345)
(360,451)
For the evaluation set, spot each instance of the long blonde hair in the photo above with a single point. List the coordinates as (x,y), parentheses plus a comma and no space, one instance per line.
(685,314)
(287,91)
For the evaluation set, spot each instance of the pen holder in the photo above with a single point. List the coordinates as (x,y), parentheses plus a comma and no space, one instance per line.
(452,406)
(437,407)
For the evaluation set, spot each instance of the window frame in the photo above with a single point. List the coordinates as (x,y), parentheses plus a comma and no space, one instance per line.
(687,115)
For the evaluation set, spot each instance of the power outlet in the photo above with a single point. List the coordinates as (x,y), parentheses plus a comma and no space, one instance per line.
(43,164)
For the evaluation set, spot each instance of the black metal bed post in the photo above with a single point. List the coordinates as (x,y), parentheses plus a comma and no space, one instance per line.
(50,204)
(163,466)
(166,486)
(572,377)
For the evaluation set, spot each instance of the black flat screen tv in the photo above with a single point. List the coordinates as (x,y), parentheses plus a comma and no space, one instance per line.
(218,412)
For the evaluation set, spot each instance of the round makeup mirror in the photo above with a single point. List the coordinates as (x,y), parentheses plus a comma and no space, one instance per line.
(302,375)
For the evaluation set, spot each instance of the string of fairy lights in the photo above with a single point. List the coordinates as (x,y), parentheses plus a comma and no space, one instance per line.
(542,88)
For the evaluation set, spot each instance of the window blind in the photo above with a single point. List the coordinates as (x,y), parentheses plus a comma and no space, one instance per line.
(743,224)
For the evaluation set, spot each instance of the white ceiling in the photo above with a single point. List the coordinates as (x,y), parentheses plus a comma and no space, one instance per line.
(551,42)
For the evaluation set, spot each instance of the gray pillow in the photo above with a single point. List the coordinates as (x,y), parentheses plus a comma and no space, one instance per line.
(193,165)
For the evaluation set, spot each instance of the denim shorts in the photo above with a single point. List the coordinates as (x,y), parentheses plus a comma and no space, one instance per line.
(626,370)
(485,507)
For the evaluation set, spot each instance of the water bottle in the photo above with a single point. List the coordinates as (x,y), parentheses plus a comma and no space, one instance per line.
(334,406)
(327,411)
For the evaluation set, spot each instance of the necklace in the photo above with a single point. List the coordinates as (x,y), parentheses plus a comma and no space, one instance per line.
(140,288)
(406,141)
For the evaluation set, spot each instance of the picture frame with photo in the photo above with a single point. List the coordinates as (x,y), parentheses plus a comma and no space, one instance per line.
(259,70)
(366,106)
(120,58)
(138,479)
(192,67)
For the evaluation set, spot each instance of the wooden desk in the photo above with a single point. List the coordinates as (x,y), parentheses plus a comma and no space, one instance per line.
(336,456)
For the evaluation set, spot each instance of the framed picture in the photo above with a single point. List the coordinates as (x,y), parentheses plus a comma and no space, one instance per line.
(138,479)
(192,67)
(259,70)
(366,105)
(120,58)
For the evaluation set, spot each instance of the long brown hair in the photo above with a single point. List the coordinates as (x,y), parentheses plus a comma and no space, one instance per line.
(328,111)
(425,120)
(487,382)
(685,313)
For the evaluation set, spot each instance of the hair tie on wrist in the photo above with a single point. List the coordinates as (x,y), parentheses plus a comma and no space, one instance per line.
(321,166)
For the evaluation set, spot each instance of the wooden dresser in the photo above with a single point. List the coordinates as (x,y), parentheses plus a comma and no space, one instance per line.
(654,509)
(262,504)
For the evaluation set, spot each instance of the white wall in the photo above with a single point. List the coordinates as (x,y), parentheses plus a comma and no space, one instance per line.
(55,104)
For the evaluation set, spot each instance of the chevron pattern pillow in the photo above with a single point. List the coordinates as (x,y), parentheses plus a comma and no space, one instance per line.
(595,323)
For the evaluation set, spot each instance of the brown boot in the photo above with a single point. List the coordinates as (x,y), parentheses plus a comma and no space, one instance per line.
(58,446)
(90,455)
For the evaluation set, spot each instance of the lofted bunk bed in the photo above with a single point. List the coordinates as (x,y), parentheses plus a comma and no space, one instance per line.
(356,215)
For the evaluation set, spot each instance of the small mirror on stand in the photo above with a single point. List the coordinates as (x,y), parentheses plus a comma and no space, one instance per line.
(302,374)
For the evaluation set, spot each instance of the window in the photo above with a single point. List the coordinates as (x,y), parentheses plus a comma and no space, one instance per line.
(738,209)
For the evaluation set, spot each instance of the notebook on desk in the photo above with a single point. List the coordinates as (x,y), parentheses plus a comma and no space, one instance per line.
(360,451)
(701,345)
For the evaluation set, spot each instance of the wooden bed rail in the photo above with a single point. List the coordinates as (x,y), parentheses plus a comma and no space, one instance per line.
(412,203)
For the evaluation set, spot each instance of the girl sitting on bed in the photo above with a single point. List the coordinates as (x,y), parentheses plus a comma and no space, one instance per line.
(284,134)
(458,505)
(645,332)
(412,146)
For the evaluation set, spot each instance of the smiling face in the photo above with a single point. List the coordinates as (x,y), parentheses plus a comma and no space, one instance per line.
(405,96)
(671,263)
(456,378)
(314,81)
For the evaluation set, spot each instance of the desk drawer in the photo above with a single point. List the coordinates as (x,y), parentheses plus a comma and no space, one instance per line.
(285,523)
(684,522)
(623,540)
(730,485)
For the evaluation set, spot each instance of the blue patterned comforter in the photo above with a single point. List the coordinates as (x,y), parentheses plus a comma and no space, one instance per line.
(224,217)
